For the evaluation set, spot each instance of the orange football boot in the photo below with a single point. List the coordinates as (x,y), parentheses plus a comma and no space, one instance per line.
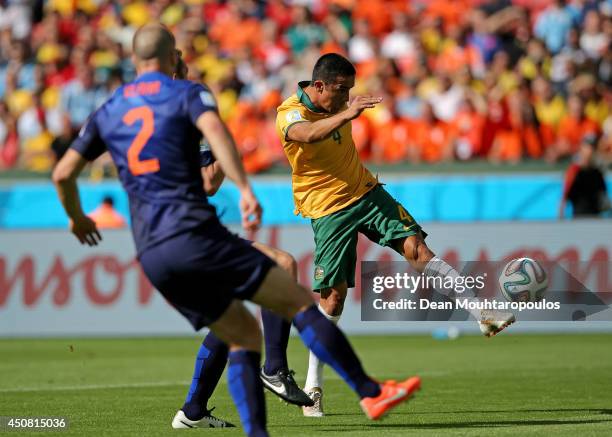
(391,394)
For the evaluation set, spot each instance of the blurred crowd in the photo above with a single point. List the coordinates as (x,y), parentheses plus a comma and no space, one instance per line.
(461,79)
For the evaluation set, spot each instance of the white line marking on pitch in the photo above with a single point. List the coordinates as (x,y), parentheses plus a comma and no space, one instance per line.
(93,386)
(429,373)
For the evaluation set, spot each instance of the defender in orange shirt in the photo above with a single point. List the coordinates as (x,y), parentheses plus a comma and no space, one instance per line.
(105,215)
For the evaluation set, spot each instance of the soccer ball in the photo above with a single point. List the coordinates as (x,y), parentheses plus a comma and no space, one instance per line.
(523,280)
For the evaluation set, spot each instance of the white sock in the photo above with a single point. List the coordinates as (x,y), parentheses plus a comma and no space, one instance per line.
(314,377)
(437,267)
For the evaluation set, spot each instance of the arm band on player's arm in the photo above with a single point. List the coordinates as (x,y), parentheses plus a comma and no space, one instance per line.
(206,155)
(206,158)
(88,143)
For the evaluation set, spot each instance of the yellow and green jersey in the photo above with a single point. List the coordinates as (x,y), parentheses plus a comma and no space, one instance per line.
(326,175)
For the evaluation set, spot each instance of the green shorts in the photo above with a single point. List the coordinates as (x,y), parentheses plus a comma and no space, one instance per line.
(377,215)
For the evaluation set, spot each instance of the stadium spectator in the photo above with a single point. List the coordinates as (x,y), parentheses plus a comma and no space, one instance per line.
(593,41)
(605,145)
(565,63)
(271,51)
(518,134)
(467,127)
(16,17)
(585,186)
(431,138)
(19,66)
(550,109)
(32,121)
(36,154)
(82,96)
(399,44)
(391,142)
(553,25)
(105,215)
(436,51)
(337,28)
(446,100)
(573,127)
(483,42)
(533,145)
(9,140)
(303,31)
(362,46)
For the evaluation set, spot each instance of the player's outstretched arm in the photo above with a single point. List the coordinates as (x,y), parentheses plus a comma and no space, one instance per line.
(65,177)
(311,132)
(224,150)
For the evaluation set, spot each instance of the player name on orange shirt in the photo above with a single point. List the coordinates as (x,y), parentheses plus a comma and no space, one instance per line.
(142,89)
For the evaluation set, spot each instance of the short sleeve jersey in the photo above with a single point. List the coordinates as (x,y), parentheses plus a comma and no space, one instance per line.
(328,175)
(148,126)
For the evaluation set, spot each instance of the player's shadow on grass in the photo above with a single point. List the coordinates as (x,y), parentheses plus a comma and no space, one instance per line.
(475,424)
(482,424)
(606,411)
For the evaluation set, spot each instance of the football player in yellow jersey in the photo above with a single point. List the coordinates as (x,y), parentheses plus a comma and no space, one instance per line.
(342,198)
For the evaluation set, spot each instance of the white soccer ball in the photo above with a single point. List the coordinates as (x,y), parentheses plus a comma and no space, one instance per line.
(523,280)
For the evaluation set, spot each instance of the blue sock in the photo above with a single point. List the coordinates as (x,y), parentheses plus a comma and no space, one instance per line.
(276,338)
(331,346)
(247,391)
(209,366)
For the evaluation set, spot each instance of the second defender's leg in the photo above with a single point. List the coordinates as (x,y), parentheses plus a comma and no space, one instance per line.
(283,296)
(213,354)
(276,329)
(275,373)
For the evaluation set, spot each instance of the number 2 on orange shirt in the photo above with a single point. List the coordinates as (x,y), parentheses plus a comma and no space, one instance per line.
(136,166)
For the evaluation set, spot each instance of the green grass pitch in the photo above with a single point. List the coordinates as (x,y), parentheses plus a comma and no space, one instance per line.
(509,385)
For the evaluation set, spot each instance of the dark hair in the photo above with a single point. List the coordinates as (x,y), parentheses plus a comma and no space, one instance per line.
(108,200)
(330,66)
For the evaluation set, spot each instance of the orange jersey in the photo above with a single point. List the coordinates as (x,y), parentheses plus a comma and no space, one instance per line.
(392,141)
(573,130)
(107,218)
(433,140)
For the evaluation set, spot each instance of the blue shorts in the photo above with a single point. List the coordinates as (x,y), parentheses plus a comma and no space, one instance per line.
(200,273)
